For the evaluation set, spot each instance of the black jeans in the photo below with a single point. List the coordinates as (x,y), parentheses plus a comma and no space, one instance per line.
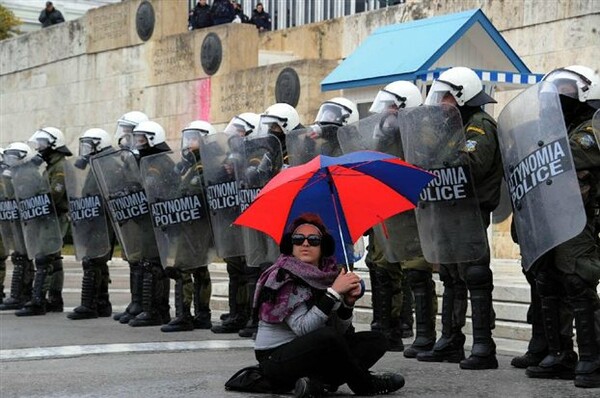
(326,355)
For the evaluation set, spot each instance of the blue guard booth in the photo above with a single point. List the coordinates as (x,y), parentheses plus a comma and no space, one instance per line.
(419,51)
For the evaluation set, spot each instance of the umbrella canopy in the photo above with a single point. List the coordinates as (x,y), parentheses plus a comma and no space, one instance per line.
(350,193)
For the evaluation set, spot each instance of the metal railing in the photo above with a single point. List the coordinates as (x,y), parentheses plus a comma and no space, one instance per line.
(290,13)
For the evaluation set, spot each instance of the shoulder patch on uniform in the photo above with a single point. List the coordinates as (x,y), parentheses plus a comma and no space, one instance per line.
(586,141)
(470,146)
(58,187)
(475,130)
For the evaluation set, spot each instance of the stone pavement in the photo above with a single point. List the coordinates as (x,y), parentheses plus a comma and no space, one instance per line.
(52,356)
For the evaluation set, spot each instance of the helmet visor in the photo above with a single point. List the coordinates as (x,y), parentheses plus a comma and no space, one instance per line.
(140,141)
(239,126)
(386,101)
(124,135)
(441,93)
(190,139)
(568,83)
(88,146)
(272,124)
(13,156)
(332,113)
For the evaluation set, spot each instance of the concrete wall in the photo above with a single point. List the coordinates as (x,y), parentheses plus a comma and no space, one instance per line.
(88,72)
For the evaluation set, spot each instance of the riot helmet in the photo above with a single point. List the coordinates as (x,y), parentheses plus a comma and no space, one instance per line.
(148,134)
(243,124)
(18,153)
(125,126)
(459,86)
(278,120)
(91,142)
(191,137)
(397,95)
(577,82)
(49,139)
(338,111)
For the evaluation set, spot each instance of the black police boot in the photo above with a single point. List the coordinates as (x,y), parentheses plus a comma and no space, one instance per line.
(15,300)
(424,291)
(237,317)
(483,352)
(561,359)
(450,346)
(104,304)
(406,317)
(538,347)
(202,293)
(375,305)
(183,320)
(88,307)
(136,285)
(587,372)
(57,280)
(150,316)
(389,326)
(251,327)
(37,305)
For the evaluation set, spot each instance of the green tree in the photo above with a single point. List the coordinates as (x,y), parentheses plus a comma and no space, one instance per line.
(8,23)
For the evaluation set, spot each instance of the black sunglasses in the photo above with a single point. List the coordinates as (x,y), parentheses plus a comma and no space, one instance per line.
(313,240)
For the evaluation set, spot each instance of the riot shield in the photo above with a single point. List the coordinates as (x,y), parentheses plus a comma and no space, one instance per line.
(397,235)
(120,183)
(303,145)
(538,166)
(220,153)
(596,126)
(10,221)
(262,159)
(179,210)
(39,220)
(448,215)
(9,212)
(91,236)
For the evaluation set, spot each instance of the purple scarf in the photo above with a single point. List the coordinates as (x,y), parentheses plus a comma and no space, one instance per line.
(278,292)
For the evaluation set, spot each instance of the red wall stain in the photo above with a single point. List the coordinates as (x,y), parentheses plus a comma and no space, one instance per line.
(203,99)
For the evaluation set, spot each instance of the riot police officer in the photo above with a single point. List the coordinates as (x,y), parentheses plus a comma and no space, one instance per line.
(92,235)
(413,274)
(12,233)
(462,88)
(574,269)
(242,125)
(124,138)
(50,144)
(190,243)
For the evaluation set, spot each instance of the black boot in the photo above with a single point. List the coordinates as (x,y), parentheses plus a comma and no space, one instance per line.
(251,327)
(423,289)
(587,372)
(104,304)
(237,317)
(153,283)
(88,307)
(202,293)
(375,305)
(136,285)
(390,327)
(406,317)
(385,383)
(183,320)
(450,346)
(16,299)
(483,352)
(561,359)
(37,305)
(538,347)
(57,280)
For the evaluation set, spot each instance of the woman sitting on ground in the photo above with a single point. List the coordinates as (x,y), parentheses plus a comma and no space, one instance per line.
(304,305)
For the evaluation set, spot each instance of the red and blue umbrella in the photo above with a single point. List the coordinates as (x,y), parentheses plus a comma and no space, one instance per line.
(351,193)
